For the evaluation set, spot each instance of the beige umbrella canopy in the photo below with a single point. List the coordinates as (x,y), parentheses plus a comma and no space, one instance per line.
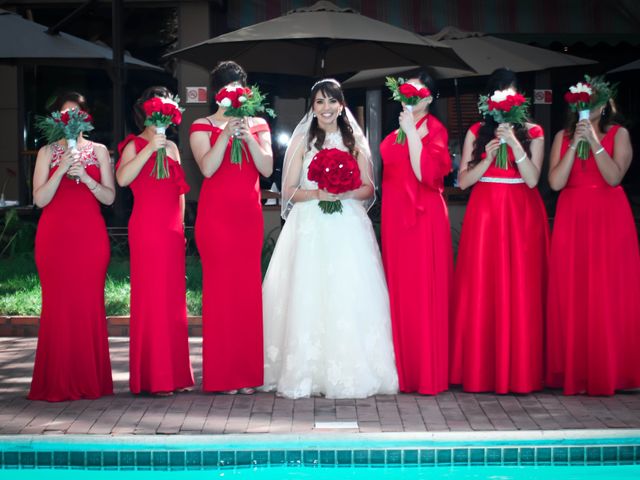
(483,53)
(27,41)
(320,40)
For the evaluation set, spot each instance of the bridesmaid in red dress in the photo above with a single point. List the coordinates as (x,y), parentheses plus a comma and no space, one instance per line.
(593,316)
(500,277)
(416,246)
(72,255)
(229,235)
(159,337)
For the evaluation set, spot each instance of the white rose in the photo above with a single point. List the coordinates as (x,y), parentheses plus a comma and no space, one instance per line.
(225,102)
(581,87)
(501,95)
(242,99)
(169,101)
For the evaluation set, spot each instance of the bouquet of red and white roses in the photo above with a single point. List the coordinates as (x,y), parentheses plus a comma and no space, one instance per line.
(162,112)
(240,102)
(68,125)
(504,106)
(407,93)
(335,171)
(584,97)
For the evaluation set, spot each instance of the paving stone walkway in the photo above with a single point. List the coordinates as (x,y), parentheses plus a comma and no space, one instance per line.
(199,413)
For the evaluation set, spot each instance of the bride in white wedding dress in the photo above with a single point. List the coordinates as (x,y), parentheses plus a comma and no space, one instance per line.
(327,327)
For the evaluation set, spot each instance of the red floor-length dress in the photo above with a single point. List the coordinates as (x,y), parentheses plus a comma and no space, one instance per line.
(500,285)
(72,255)
(593,317)
(158,331)
(418,259)
(229,235)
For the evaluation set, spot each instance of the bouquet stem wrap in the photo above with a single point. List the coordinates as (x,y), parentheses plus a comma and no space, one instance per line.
(583,147)
(161,169)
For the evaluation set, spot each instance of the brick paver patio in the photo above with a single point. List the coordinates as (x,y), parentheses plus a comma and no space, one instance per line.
(198,413)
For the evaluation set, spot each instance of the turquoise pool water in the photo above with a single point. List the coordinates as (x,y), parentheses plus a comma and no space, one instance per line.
(622,472)
(433,456)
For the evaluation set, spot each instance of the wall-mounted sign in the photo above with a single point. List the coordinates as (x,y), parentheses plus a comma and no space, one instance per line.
(543,96)
(196,95)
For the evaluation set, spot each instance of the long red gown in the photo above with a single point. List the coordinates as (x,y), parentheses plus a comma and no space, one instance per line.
(418,258)
(229,235)
(158,332)
(593,316)
(500,285)
(72,255)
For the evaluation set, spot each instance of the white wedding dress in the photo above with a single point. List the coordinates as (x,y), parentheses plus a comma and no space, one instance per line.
(327,326)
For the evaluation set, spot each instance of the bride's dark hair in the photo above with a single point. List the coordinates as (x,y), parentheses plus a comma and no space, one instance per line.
(499,80)
(331,89)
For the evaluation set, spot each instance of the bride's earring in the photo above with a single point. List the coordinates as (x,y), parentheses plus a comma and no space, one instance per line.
(314,115)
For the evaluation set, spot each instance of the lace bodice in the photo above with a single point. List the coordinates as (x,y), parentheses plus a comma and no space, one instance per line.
(87,154)
(331,140)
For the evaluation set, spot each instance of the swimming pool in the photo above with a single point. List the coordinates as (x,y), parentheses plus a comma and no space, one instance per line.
(565,455)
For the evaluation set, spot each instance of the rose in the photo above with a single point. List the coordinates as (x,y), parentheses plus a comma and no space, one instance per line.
(176,118)
(409,90)
(167,109)
(64,117)
(152,105)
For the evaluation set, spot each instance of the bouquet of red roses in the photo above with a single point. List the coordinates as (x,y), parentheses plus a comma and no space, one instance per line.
(161,113)
(505,106)
(584,97)
(335,171)
(407,93)
(241,102)
(68,125)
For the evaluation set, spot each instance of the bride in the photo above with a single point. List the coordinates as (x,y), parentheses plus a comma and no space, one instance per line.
(327,327)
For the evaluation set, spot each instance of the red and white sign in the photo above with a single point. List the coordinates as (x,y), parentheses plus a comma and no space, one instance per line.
(543,96)
(196,95)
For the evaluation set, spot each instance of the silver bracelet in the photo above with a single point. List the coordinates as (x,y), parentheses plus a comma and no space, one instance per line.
(572,146)
(600,150)
(522,158)
(96,186)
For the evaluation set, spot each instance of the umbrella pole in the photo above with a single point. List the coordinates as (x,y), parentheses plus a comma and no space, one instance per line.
(117,79)
(458,113)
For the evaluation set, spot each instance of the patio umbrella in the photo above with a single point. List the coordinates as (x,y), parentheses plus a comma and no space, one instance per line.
(635,65)
(320,40)
(483,53)
(22,40)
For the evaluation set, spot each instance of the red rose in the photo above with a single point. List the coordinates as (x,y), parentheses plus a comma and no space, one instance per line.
(233,95)
(408,90)
(168,109)
(176,117)
(64,118)
(152,106)
(584,97)
(424,92)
